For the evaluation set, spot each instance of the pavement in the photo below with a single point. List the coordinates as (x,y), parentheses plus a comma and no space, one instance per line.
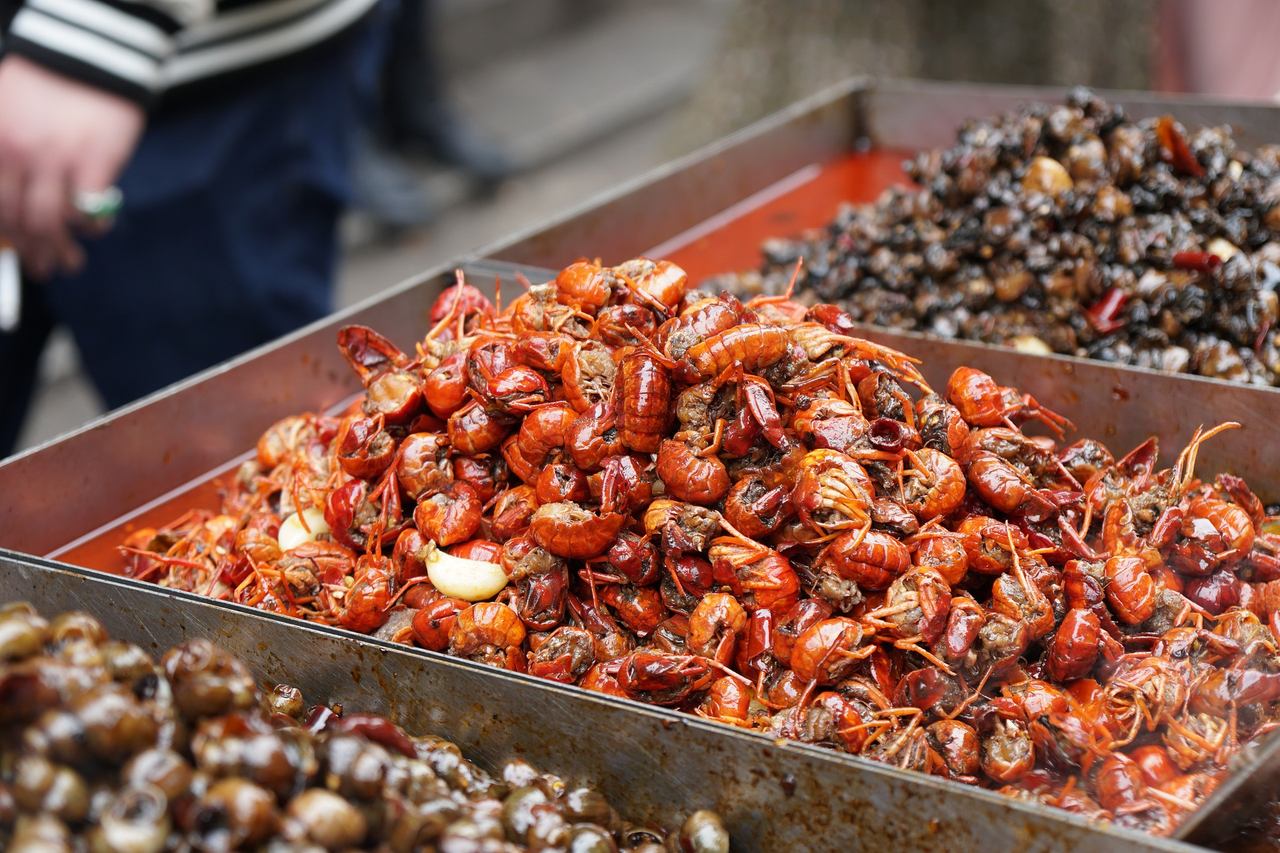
(580,106)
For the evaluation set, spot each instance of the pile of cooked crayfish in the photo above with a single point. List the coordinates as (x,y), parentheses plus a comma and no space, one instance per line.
(744,511)
(103,748)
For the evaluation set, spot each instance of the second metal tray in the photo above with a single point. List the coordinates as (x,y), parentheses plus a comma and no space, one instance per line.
(711,210)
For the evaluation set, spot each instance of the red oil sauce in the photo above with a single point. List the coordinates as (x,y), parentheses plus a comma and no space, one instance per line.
(807,199)
(99,548)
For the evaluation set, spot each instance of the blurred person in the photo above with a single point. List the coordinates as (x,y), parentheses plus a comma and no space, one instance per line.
(774,53)
(1223,48)
(417,118)
(227,125)
(416,109)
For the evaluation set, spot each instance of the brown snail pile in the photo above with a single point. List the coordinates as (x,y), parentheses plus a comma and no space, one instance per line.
(1067,229)
(104,749)
(746,512)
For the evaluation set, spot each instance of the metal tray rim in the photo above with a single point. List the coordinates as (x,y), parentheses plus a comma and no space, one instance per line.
(401,287)
(500,266)
(859,87)
(668,717)
(849,87)
(889,85)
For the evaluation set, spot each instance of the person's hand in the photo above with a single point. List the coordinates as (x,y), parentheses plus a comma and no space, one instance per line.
(57,137)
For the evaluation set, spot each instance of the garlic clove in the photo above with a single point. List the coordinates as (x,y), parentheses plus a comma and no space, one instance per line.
(1046,175)
(1224,249)
(460,577)
(293,533)
(1030,344)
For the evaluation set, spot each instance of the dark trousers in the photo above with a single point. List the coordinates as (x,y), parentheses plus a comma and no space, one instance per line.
(228,237)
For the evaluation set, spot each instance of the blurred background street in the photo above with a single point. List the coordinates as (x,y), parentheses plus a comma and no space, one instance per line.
(582,96)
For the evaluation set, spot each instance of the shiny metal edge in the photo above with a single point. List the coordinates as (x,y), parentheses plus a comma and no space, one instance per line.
(1253,785)
(1119,405)
(625,220)
(54,493)
(927,114)
(773,795)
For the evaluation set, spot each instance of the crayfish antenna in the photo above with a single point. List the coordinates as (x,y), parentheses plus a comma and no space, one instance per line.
(1066,789)
(1062,469)
(1087,522)
(675,578)
(972,697)
(732,673)
(410,583)
(862,533)
(1018,573)
(1172,799)
(847,386)
(1185,468)
(642,295)
(736,533)
(912,644)
(448,318)
(785,296)
(806,696)
(1057,424)
(643,343)
(795,277)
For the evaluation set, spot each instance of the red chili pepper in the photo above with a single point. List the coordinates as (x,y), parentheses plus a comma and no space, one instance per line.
(1103,314)
(1175,148)
(377,729)
(1262,336)
(1198,261)
(318,718)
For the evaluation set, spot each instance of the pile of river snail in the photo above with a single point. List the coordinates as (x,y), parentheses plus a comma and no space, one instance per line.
(103,748)
(1071,229)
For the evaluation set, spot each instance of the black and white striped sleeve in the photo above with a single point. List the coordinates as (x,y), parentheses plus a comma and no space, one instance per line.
(115,45)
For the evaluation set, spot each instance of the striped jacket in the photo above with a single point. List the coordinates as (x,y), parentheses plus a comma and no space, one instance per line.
(144,49)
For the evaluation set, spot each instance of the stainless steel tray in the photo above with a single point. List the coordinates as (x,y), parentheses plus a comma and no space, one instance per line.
(1122,406)
(772,795)
(701,199)
(161,445)
(209,419)
(158,448)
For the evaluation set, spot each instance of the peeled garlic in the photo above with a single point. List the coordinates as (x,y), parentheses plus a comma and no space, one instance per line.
(293,533)
(1224,249)
(460,577)
(1030,344)
(1046,175)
